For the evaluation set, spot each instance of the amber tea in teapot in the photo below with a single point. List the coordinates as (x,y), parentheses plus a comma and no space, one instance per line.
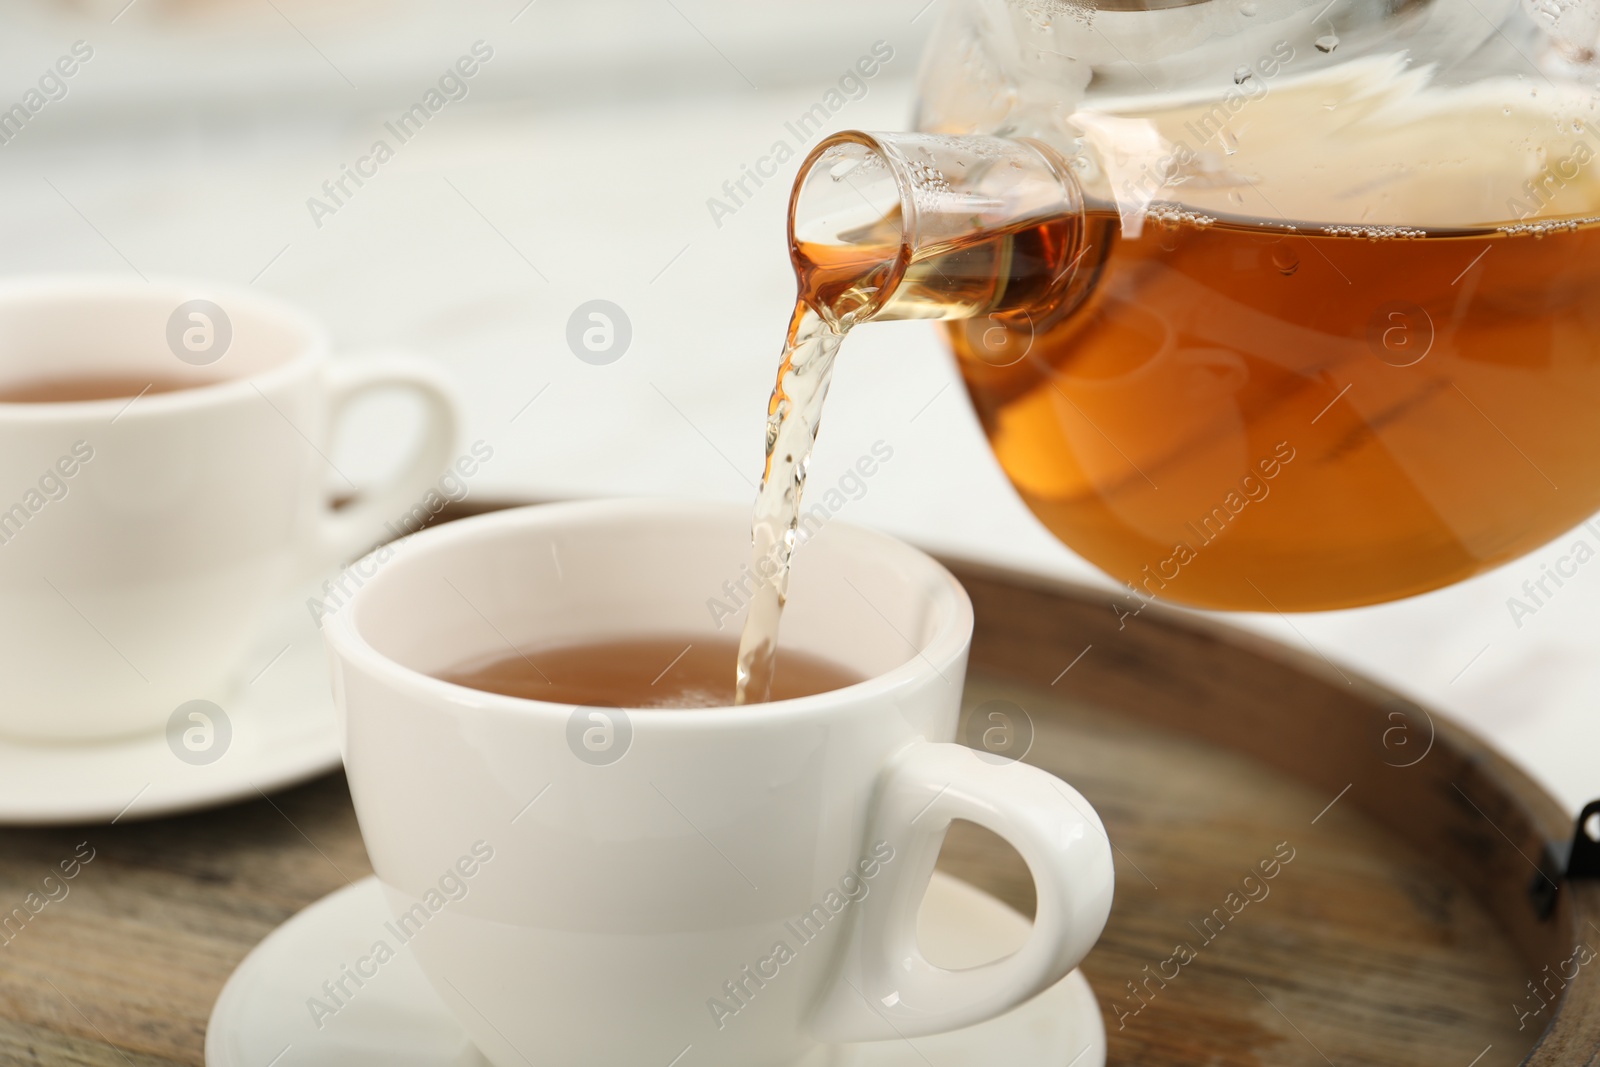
(1238,416)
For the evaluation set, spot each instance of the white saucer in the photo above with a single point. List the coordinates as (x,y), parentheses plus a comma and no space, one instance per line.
(397,1020)
(283,731)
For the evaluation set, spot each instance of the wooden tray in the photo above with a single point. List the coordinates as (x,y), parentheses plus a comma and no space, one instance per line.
(1421,895)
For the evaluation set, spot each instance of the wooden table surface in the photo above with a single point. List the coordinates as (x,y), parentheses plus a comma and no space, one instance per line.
(1402,930)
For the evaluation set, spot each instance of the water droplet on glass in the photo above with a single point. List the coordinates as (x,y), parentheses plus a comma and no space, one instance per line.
(1327,42)
(1285,260)
(1242,75)
(1247,9)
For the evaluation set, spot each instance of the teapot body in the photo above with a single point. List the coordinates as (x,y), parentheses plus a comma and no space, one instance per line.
(1335,338)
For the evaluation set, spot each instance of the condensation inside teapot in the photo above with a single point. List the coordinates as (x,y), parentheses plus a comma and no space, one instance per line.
(1380,115)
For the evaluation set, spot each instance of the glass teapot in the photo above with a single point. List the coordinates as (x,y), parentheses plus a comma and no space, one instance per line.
(1263,304)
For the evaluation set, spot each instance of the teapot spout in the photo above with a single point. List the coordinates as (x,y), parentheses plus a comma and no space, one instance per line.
(886,226)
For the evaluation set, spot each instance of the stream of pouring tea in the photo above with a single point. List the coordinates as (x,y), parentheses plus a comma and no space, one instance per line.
(793,414)
(842,284)
(838,286)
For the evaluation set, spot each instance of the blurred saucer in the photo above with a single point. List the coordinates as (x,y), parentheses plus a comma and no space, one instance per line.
(397,1020)
(279,728)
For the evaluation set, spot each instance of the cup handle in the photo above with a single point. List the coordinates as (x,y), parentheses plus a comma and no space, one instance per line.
(349,531)
(884,987)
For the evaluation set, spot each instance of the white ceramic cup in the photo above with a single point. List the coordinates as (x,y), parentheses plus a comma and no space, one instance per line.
(594,886)
(141,540)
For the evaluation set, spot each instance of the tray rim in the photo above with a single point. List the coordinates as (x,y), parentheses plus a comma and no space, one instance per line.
(1572,1033)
